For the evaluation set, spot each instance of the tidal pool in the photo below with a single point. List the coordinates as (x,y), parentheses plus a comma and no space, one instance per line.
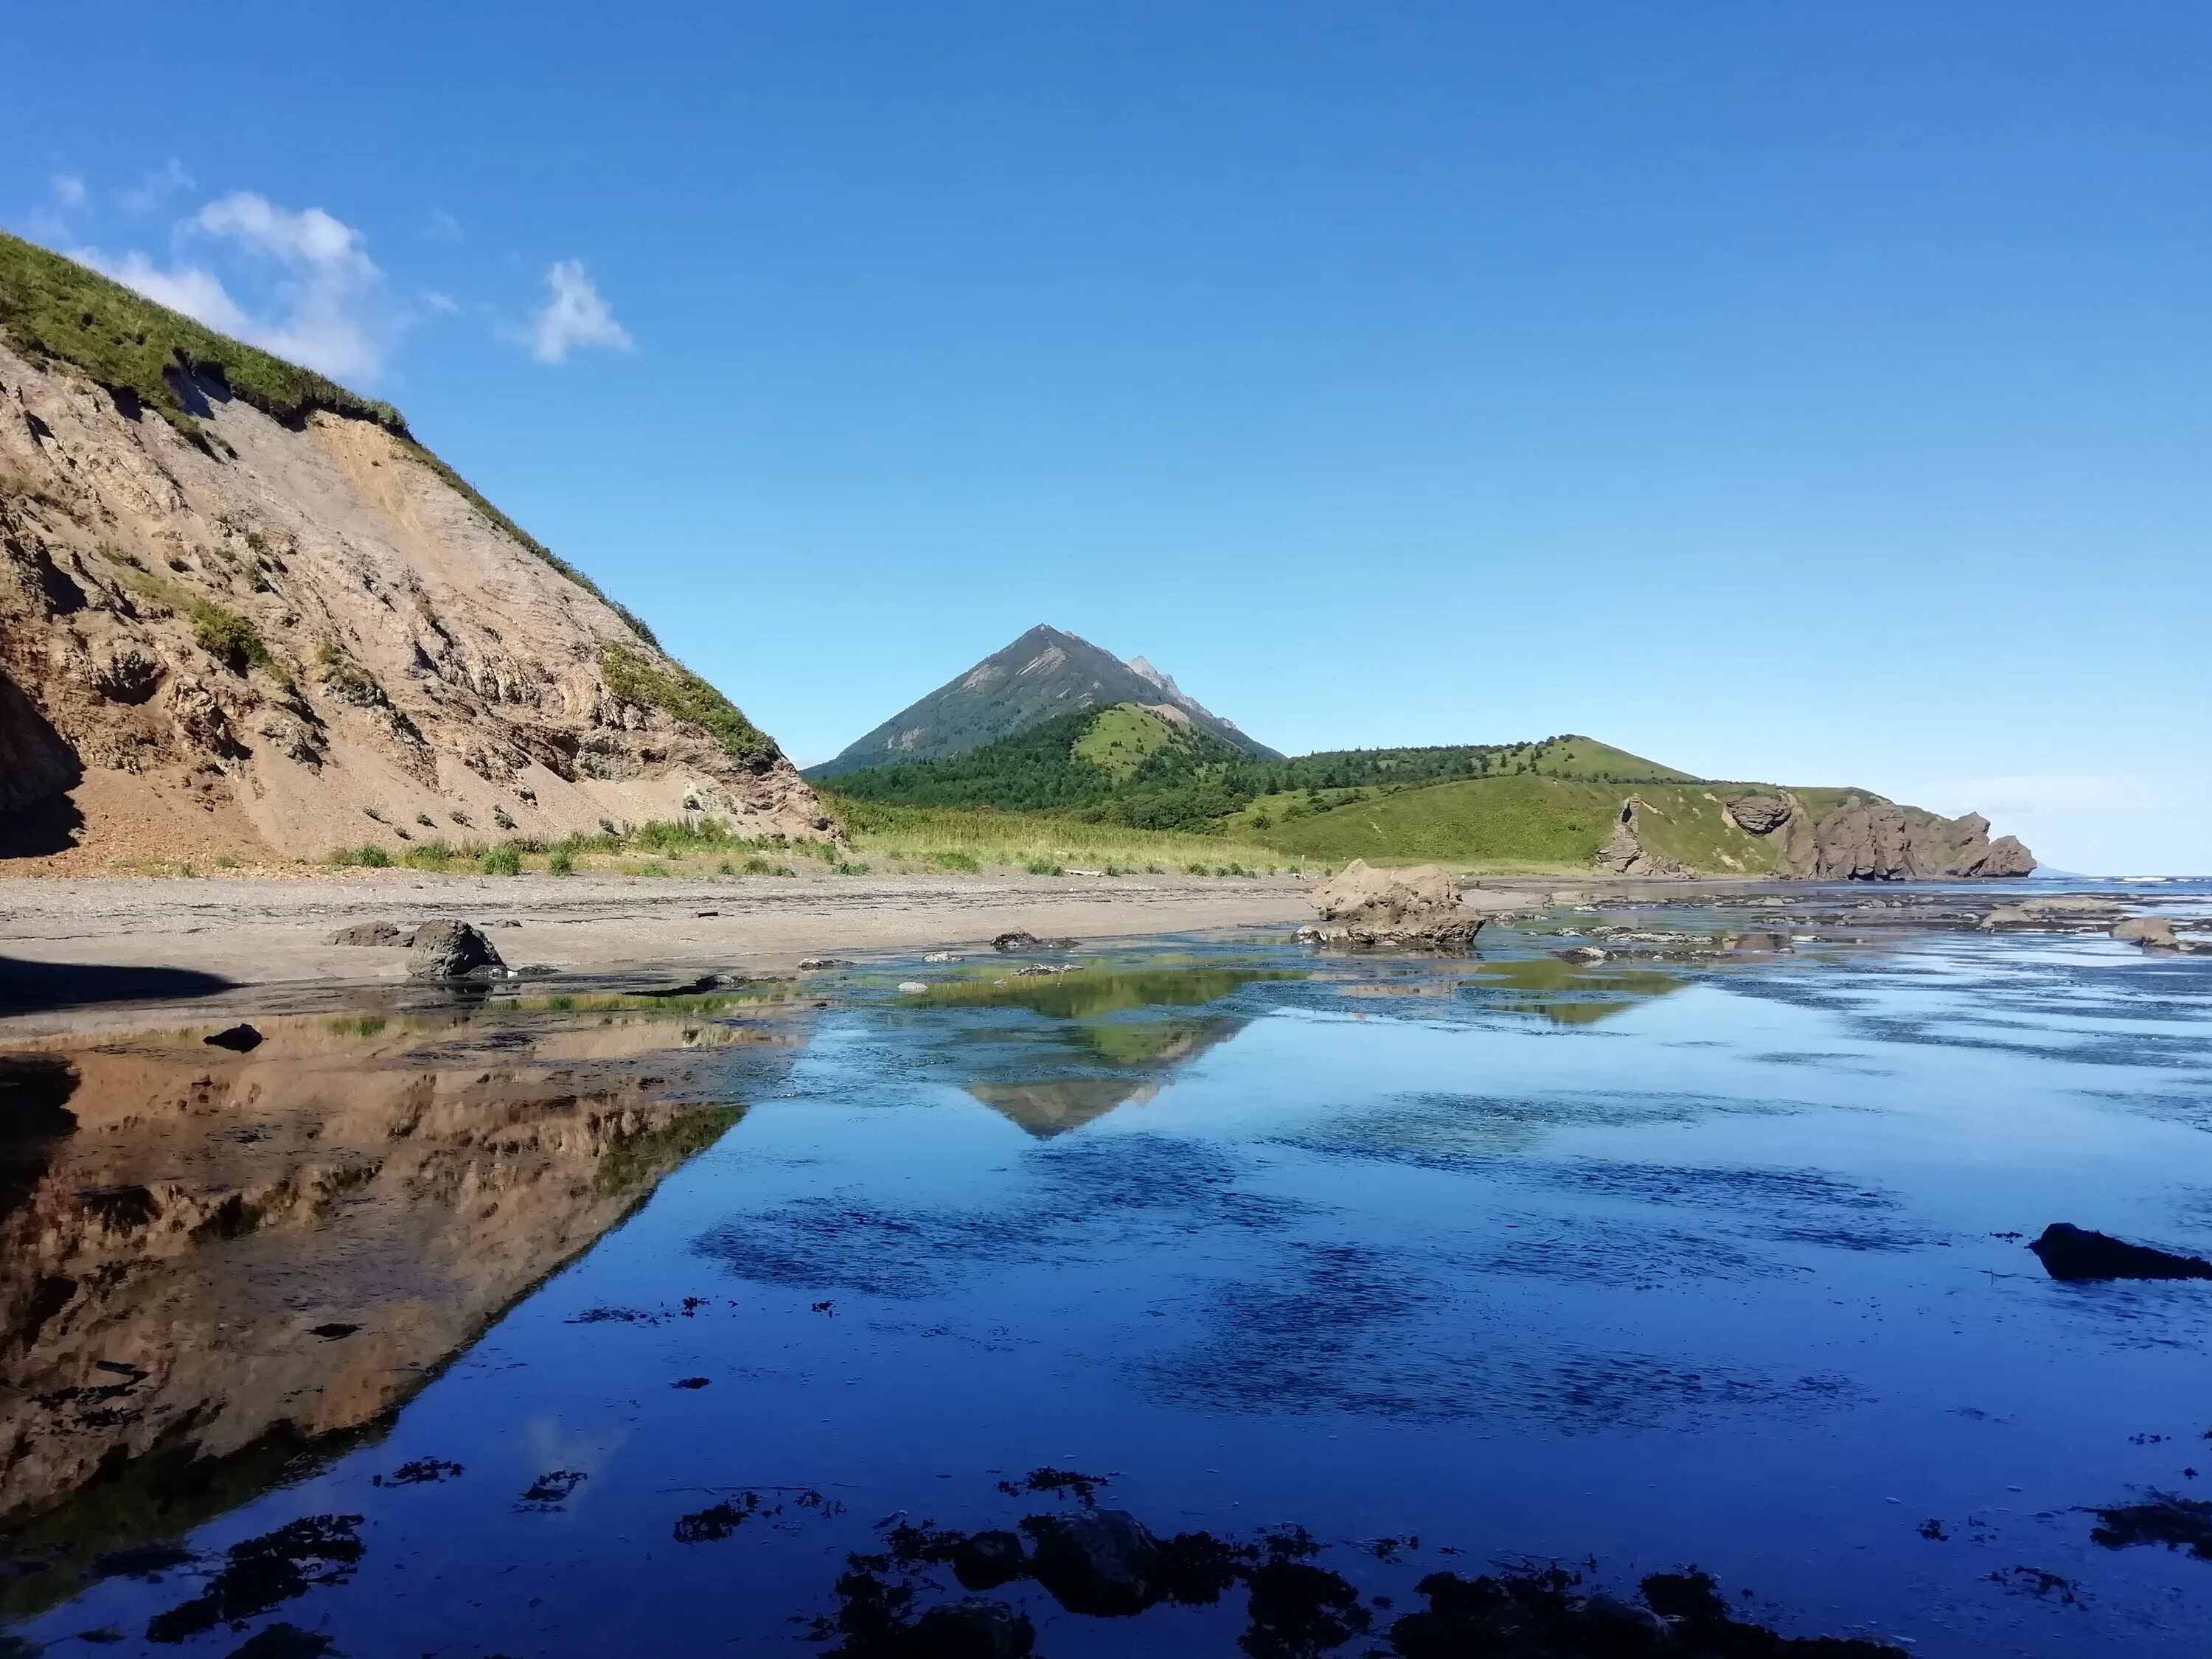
(596,1326)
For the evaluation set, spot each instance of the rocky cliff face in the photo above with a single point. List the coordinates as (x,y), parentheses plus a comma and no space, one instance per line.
(222,630)
(1879,840)
(1821,837)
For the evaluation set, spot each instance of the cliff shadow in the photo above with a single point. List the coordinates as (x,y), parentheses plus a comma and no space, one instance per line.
(37,769)
(38,988)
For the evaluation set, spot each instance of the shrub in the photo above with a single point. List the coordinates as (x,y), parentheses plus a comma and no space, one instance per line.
(500,861)
(430,855)
(957,861)
(1045,867)
(676,691)
(562,861)
(368,857)
(228,637)
(756,866)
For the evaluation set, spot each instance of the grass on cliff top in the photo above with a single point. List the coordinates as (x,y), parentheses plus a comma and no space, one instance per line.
(60,311)
(57,311)
(682,695)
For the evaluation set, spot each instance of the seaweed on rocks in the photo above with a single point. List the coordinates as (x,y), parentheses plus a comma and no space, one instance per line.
(259,1573)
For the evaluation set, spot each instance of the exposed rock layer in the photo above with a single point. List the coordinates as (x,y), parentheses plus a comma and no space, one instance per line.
(303,639)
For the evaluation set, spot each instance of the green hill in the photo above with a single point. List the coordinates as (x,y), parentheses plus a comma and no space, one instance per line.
(1524,821)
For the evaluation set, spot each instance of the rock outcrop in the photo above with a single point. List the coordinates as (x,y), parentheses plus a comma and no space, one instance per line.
(1625,853)
(1364,908)
(1873,840)
(222,630)
(1759,815)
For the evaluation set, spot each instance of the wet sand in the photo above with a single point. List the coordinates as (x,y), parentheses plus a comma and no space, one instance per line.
(73,944)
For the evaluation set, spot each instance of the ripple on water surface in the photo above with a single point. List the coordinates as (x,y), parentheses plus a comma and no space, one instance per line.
(1284,1305)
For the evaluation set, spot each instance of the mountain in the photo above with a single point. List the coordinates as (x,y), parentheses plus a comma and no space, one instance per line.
(1044,674)
(243,611)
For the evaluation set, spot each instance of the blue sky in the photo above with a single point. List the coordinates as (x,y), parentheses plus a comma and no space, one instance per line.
(1818,393)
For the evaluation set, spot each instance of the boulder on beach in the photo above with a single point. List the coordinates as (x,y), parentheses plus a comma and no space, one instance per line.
(451,950)
(2077,1255)
(1362,907)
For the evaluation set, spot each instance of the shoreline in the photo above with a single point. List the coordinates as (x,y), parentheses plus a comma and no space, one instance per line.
(71,947)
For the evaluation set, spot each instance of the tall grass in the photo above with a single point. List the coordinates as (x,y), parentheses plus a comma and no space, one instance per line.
(929,834)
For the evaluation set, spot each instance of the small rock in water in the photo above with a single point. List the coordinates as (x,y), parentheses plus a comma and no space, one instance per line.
(2152,933)
(1019,940)
(809,963)
(985,1561)
(941,955)
(1104,1562)
(972,1629)
(2075,1254)
(690,988)
(239,1039)
(913,988)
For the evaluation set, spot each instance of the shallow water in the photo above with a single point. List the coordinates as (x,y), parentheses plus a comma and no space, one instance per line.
(1627,1266)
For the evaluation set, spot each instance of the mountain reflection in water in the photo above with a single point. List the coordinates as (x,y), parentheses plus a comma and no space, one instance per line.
(212,1265)
(1108,1016)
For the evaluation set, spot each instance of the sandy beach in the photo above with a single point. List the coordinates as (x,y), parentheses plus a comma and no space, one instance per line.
(71,945)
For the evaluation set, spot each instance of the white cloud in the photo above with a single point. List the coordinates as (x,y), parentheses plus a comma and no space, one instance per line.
(573,316)
(328,309)
(69,190)
(444,226)
(444,304)
(166,180)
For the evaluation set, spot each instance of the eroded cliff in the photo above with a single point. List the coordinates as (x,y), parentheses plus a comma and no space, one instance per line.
(224,629)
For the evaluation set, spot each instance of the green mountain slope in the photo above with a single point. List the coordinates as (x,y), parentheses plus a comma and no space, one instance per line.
(1524,821)
(1045,673)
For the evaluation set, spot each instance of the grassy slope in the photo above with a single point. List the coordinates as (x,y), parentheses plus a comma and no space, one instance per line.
(1122,738)
(1522,823)
(57,311)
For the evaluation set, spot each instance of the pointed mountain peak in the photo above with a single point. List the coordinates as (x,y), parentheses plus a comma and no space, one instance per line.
(1046,672)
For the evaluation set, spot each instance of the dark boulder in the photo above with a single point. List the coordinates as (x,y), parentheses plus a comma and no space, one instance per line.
(1019,940)
(985,1561)
(972,1629)
(451,950)
(239,1039)
(1104,1563)
(2075,1254)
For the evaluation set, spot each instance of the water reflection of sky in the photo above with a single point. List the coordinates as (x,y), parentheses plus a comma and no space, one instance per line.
(1647,1264)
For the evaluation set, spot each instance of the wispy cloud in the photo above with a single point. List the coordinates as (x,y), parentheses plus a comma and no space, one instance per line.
(69,190)
(573,315)
(444,226)
(326,304)
(169,179)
